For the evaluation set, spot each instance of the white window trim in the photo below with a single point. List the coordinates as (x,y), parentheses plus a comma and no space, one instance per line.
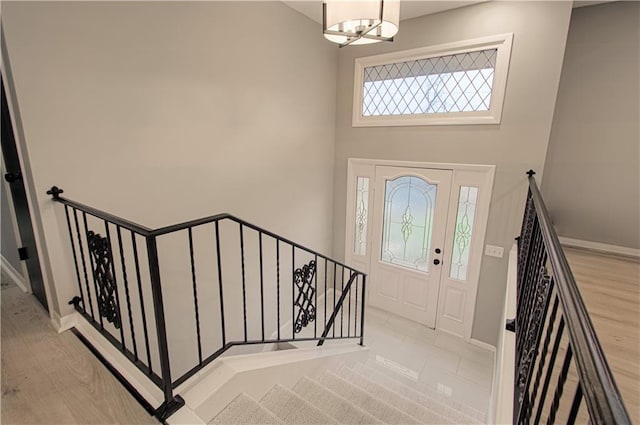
(501,42)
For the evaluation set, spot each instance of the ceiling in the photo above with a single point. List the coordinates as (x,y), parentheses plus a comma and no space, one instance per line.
(408,9)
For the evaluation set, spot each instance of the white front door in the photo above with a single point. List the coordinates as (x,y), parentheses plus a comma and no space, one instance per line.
(408,237)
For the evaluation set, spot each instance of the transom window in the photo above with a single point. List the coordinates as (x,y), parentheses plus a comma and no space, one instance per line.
(459,83)
(455,83)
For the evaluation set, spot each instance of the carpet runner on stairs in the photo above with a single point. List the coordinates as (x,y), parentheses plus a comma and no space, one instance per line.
(358,395)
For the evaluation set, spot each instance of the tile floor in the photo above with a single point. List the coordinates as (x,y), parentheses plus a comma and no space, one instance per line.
(423,357)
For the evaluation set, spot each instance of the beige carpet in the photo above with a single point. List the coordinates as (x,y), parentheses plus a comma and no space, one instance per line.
(358,395)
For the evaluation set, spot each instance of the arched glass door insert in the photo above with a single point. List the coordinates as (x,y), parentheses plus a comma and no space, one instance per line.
(408,222)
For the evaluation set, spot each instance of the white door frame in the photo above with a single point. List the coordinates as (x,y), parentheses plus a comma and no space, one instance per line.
(19,277)
(458,321)
(29,185)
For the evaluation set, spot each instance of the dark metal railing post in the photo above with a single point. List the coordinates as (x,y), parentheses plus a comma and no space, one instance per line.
(171,403)
(364,286)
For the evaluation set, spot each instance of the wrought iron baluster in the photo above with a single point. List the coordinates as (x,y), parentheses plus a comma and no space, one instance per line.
(84,263)
(315,322)
(261,284)
(349,313)
(126,291)
(325,292)
(115,284)
(341,306)
(334,314)
(171,403)
(140,294)
(293,296)
(195,293)
(278,285)
(75,258)
(218,259)
(547,379)
(335,268)
(355,315)
(543,356)
(364,286)
(559,387)
(527,302)
(575,405)
(95,283)
(244,285)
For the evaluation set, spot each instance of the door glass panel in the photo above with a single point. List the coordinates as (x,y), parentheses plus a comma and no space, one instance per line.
(467,202)
(408,222)
(362,210)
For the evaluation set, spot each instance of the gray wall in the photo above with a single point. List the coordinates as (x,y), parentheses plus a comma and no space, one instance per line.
(167,111)
(592,172)
(514,146)
(9,245)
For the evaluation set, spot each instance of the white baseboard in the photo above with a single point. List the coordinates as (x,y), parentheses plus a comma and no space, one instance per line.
(482,344)
(14,275)
(603,247)
(66,322)
(55,321)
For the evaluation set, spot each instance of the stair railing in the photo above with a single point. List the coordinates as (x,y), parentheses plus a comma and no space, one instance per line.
(116,272)
(546,367)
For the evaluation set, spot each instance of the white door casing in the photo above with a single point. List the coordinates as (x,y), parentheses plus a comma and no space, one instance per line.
(410,216)
(455,292)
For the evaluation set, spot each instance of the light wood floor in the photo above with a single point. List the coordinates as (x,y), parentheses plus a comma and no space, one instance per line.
(610,287)
(53,379)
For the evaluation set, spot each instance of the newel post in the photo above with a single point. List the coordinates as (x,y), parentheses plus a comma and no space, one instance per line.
(171,403)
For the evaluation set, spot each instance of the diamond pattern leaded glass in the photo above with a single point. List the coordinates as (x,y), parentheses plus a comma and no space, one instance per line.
(467,202)
(408,222)
(453,83)
(362,210)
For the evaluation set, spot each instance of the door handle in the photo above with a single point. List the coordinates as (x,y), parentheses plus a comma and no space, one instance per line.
(12,177)
(436,261)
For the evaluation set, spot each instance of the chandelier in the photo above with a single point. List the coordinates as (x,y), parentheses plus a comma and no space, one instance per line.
(360,21)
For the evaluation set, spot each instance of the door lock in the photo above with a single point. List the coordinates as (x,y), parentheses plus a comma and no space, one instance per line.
(436,261)
(438,250)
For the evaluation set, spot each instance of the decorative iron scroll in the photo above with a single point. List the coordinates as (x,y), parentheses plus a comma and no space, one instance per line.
(533,331)
(524,241)
(100,250)
(303,278)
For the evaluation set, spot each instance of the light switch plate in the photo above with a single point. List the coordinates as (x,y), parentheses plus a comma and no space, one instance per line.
(494,251)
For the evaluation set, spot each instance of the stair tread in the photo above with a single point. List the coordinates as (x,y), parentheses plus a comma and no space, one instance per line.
(292,409)
(420,395)
(243,410)
(336,406)
(432,413)
(365,401)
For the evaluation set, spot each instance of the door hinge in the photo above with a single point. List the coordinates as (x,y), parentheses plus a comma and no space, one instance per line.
(12,177)
(23,254)
(511,325)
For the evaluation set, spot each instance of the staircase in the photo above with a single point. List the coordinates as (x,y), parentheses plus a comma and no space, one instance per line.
(362,393)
